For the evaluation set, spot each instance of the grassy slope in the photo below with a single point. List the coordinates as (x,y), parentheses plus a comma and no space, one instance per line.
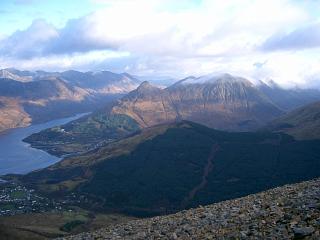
(49,225)
(83,134)
(154,172)
(302,123)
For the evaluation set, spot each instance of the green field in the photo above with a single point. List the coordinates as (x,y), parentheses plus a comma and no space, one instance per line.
(83,134)
(40,226)
(18,194)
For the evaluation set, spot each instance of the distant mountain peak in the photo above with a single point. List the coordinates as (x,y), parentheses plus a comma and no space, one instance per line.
(14,74)
(145,86)
(271,83)
(213,78)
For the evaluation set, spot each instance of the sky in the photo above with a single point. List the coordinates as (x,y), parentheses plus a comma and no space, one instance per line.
(257,39)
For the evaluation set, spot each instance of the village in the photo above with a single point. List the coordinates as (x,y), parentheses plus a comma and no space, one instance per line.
(17,199)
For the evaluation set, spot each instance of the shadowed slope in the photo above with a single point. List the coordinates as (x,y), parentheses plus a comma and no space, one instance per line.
(156,170)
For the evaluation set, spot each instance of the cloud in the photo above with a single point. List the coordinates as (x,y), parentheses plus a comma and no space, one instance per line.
(214,28)
(30,42)
(178,38)
(77,36)
(260,64)
(301,38)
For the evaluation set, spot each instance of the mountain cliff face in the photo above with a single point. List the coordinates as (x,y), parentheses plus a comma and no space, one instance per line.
(222,102)
(12,114)
(302,123)
(42,96)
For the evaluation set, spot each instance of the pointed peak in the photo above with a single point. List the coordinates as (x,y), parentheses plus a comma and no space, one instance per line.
(145,85)
(213,78)
(127,75)
(271,83)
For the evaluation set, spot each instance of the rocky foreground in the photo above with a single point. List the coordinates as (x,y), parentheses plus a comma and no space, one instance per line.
(288,212)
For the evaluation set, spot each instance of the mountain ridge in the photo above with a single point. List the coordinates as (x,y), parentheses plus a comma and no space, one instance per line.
(42,96)
(222,102)
(302,123)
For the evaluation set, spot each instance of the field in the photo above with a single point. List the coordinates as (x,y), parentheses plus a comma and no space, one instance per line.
(36,226)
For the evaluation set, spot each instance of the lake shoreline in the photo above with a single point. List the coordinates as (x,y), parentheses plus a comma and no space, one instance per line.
(19,157)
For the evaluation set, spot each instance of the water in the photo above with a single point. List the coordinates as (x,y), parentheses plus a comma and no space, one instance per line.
(17,156)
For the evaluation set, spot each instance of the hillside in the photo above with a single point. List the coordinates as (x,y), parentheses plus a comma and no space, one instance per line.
(170,167)
(223,102)
(23,103)
(288,212)
(12,114)
(302,123)
(288,99)
(103,82)
(33,97)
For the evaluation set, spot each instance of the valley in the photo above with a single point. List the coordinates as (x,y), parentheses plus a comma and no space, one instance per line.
(160,120)
(18,157)
(302,123)
(222,102)
(35,97)
(155,171)
(153,151)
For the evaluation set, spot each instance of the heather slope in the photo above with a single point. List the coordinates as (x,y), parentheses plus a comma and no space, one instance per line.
(302,123)
(173,166)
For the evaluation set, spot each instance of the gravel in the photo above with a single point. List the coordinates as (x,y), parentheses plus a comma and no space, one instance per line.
(287,212)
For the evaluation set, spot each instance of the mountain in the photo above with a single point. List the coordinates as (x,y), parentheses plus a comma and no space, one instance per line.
(302,123)
(26,102)
(32,97)
(104,82)
(266,215)
(22,76)
(47,89)
(160,81)
(288,99)
(222,102)
(12,114)
(174,166)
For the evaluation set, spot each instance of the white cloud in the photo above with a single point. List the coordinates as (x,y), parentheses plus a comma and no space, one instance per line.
(170,37)
(30,42)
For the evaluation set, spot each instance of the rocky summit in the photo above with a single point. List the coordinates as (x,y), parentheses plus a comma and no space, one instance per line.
(287,212)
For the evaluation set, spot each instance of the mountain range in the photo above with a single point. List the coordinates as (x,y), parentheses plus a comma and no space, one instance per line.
(302,123)
(31,97)
(222,102)
(155,150)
